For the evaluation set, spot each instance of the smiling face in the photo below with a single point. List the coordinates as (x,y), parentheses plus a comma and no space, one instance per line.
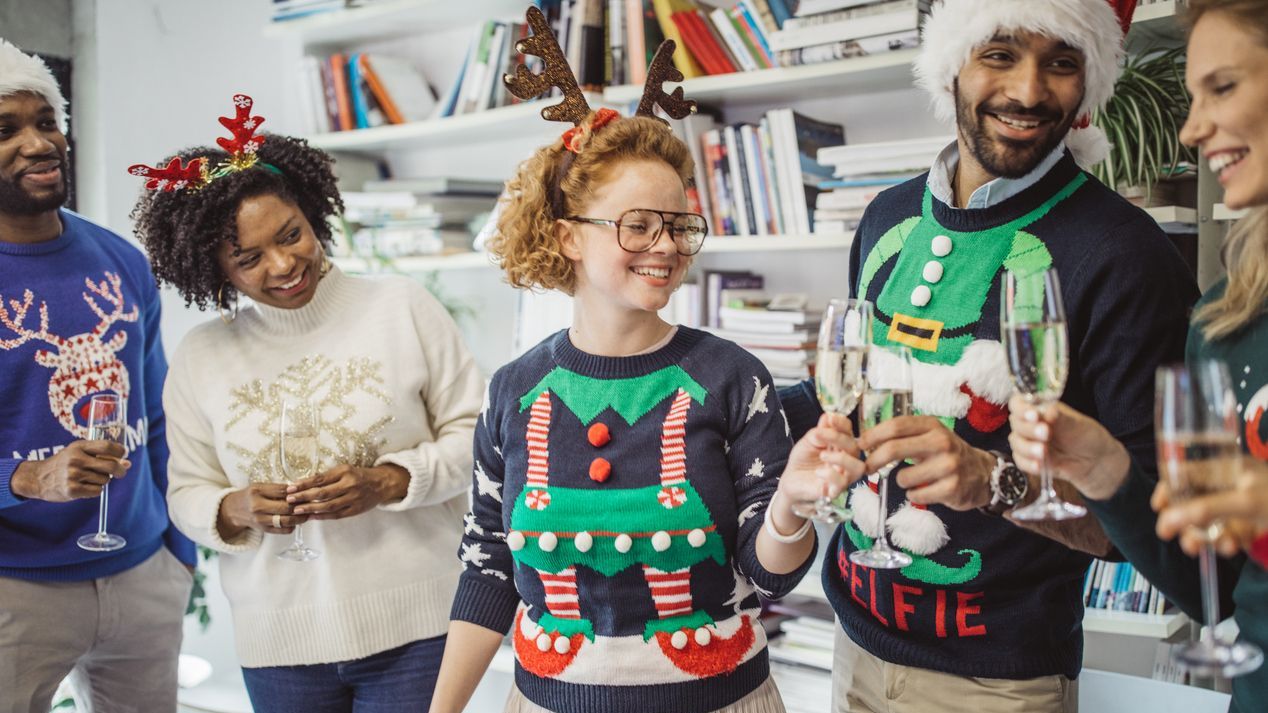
(32,156)
(1227,73)
(277,261)
(1016,98)
(609,277)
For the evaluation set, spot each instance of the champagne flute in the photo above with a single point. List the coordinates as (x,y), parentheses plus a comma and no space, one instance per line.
(298,446)
(1196,429)
(888,395)
(106,422)
(844,335)
(1032,327)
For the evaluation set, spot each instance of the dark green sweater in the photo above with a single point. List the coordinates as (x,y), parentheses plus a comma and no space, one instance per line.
(1130,522)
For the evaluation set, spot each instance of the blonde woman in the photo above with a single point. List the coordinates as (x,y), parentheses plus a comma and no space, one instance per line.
(1228,76)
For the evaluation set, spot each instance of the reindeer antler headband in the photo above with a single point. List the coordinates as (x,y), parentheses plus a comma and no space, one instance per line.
(574,108)
(198,172)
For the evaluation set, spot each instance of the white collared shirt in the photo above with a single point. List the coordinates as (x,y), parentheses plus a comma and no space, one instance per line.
(992,192)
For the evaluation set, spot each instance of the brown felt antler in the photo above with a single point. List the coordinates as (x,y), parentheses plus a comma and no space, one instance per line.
(556,73)
(662,70)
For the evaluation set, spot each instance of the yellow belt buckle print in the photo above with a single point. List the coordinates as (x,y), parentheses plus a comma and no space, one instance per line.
(915,332)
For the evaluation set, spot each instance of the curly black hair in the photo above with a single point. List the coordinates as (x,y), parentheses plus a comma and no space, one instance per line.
(182,230)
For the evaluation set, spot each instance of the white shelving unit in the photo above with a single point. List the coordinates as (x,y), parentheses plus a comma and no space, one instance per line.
(455,130)
(390,19)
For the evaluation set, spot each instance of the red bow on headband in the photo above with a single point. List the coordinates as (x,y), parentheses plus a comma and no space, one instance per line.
(602,118)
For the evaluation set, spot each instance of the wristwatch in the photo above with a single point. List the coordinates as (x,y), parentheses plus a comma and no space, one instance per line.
(1008,486)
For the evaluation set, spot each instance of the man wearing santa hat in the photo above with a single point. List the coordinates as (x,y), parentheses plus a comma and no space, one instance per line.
(989,612)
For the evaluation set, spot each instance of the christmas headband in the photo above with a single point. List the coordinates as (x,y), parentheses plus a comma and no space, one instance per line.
(198,172)
(574,108)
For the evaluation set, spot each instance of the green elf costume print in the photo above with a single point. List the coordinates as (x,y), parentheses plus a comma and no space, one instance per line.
(932,302)
(661,529)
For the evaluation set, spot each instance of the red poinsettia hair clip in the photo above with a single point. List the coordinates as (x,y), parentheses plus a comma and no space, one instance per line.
(242,150)
(574,108)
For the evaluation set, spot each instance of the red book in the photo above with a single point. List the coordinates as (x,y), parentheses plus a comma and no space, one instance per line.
(694,43)
(339,72)
(720,55)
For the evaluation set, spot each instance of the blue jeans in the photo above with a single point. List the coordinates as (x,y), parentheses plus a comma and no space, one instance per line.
(400,679)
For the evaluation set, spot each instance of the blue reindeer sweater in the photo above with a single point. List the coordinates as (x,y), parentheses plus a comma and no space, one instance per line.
(616,506)
(984,597)
(79,315)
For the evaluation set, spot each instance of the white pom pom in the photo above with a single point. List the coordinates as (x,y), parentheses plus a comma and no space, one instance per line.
(661,541)
(543,643)
(563,645)
(917,531)
(679,640)
(623,543)
(696,537)
(583,541)
(703,637)
(547,541)
(1089,146)
(515,541)
(864,504)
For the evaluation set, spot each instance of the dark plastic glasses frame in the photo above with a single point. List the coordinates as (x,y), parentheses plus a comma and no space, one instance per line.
(666,218)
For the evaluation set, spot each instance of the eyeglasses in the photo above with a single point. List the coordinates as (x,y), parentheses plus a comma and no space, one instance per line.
(639,229)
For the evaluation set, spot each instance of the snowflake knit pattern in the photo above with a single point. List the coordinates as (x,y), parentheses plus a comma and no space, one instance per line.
(615,511)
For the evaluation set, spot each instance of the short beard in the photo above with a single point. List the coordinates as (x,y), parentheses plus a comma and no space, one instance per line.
(15,201)
(1002,157)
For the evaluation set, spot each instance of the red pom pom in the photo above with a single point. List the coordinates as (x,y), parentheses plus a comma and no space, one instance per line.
(1259,550)
(599,435)
(600,469)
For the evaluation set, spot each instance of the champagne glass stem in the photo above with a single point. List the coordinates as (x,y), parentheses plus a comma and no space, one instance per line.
(299,536)
(1210,590)
(103,505)
(882,491)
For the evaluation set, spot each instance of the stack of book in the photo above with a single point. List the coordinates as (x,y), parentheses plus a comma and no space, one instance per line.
(283,10)
(758,179)
(806,641)
(1117,586)
(861,171)
(826,30)
(783,339)
(426,216)
(357,90)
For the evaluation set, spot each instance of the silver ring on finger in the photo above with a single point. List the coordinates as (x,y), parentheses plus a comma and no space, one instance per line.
(277,522)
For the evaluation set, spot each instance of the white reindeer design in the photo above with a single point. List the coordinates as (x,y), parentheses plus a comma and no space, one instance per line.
(83,364)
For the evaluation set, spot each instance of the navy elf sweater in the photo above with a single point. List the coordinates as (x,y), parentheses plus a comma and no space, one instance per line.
(988,598)
(79,315)
(616,505)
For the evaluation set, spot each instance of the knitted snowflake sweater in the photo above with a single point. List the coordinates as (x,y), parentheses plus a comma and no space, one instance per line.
(984,597)
(393,383)
(616,508)
(79,315)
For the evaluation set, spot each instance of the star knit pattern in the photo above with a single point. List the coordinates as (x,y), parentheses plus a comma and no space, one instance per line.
(631,529)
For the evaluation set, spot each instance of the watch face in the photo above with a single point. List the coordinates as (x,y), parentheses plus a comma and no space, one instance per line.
(1013,484)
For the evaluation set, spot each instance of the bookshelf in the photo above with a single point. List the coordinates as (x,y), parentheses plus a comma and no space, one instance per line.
(492,124)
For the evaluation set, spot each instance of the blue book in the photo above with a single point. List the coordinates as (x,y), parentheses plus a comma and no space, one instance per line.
(780,10)
(356,91)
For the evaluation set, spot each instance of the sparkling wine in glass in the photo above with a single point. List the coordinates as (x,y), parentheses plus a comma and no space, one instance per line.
(844,335)
(299,455)
(1033,329)
(1196,428)
(107,421)
(888,395)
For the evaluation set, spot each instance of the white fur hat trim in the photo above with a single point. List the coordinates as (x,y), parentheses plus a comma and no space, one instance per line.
(21,72)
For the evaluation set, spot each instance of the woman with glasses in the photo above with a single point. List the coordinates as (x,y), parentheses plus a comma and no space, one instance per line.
(627,465)
(1227,73)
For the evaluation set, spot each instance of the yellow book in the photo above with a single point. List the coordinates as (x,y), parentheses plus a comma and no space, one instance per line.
(682,58)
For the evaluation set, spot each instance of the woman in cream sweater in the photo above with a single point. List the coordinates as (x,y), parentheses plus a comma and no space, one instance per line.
(361,626)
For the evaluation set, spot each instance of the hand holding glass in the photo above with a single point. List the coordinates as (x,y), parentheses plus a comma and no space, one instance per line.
(844,335)
(299,456)
(888,395)
(1196,428)
(107,421)
(1032,327)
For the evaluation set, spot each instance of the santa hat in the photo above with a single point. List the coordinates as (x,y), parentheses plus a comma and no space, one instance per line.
(21,72)
(1094,27)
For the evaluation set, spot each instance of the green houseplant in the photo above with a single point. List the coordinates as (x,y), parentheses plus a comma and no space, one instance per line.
(1143,120)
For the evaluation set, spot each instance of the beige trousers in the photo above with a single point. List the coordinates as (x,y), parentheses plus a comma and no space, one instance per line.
(764,699)
(118,638)
(862,683)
